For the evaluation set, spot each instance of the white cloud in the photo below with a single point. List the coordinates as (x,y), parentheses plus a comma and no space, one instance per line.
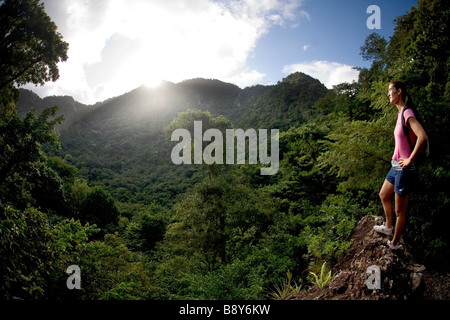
(329,73)
(245,78)
(116,45)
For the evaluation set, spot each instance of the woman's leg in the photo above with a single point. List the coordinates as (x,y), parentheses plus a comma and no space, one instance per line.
(385,195)
(401,203)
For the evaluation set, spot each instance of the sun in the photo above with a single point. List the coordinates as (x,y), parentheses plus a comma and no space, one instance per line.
(152,82)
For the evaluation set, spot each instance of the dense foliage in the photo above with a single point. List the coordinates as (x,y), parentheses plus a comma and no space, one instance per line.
(103,194)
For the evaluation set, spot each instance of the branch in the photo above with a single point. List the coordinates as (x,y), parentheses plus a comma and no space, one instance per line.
(13,78)
(371,155)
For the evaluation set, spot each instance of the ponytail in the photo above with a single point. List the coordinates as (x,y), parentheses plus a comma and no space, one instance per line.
(409,101)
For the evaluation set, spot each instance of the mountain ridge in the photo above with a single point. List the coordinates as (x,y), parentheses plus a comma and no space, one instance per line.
(119,143)
(215,96)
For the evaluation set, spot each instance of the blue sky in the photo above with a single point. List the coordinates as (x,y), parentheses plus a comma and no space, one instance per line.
(117,45)
(334,32)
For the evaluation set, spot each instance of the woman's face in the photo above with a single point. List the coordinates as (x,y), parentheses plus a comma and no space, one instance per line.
(394,94)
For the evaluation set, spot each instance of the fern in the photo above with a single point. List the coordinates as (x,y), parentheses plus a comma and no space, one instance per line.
(322,280)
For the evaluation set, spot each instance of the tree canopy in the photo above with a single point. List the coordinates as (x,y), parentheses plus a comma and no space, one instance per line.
(30,46)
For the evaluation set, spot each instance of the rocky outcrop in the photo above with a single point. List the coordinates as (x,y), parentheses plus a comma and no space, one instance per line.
(369,270)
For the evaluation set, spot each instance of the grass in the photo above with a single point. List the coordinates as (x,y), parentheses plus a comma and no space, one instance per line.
(287,289)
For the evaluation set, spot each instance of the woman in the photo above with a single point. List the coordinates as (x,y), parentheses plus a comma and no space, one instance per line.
(401,176)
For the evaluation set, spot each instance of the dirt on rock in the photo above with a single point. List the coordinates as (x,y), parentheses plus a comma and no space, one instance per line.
(370,270)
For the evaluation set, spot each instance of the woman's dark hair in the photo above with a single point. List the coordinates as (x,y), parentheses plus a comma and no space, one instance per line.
(405,94)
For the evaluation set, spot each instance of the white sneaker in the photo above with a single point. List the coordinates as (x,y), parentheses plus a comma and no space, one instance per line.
(391,245)
(383,229)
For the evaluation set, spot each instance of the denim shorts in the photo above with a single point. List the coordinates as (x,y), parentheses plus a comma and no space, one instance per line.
(404,180)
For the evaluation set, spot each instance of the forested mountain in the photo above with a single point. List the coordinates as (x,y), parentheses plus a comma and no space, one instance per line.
(119,143)
(100,193)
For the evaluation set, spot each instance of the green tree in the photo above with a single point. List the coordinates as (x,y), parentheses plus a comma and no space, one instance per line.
(99,208)
(359,152)
(66,172)
(215,222)
(420,47)
(146,228)
(29,258)
(301,180)
(375,50)
(78,192)
(21,151)
(111,271)
(186,119)
(30,47)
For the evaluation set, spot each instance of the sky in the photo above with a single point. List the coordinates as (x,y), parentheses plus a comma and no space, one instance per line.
(116,46)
